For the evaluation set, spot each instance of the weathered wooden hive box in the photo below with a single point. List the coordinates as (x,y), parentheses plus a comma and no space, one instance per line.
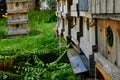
(17,17)
(67,18)
(107,14)
(108,33)
(88,38)
(60,23)
(75,29)
(88,41)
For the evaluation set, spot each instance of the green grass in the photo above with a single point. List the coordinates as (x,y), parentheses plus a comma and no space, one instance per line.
(36,56)
(32,43)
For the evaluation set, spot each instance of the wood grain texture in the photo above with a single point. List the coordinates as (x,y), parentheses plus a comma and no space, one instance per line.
(20,17)
(108,67)
(110,6)
(13,29)
(103,72)
(16,0)
(117,6)
(19,6)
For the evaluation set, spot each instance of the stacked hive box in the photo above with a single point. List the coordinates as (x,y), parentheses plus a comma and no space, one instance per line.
(60,23)
(107,14)
(67,19)
(95,31)
(17,17)
(75,30)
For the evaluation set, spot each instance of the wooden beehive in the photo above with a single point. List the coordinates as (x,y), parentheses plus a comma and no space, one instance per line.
(109,39)
(60,26)
(75,30)
(88,40)
(74,8)
(67,19)
(17,17)
(17,29)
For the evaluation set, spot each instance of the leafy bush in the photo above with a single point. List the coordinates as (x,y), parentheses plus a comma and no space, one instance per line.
(3,28)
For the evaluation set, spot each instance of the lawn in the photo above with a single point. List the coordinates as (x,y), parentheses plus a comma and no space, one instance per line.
(36,56)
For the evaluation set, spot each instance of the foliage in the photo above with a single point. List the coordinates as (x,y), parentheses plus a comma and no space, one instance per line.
(3,28)
(36,56)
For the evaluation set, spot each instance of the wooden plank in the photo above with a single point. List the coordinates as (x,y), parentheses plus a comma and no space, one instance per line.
(103,72)
(90,6)
(74,7)
(117,6)
(75,1)
(85,14)
(17,11)
(107,16)
(17,22)
(17,6)
(87,41)
(93,6)
(18,32)
(76,62)
(118,46)
(110,6)
(75,13)
(102,46)
(16,0)
(109,68)
(86,47)
(75,30)
(112,50)
(103,4)
(97,6)
(17,17)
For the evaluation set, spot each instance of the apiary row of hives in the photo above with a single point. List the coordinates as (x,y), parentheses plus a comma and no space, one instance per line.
(92,26)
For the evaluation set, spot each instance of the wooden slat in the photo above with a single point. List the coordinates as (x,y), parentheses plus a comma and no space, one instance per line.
(110,5)
(93,6)
(109,68)
(17,11)
(17,6)
(103,72)
(74,7)
(18,32)
(85,14)
(117,6)
(17,17)
(75,13)
(89,6)
(97,6)
(16,0)
(18,22)
(76,62)
(103,5)
(75,1)
(118,46)
(107,16)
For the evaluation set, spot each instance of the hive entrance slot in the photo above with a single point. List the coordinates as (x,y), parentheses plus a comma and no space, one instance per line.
(17,25)
(17,4)
(109,36)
